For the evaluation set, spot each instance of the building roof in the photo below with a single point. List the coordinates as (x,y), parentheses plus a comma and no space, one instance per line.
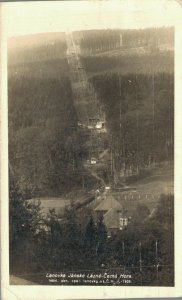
(108,203)
(111,219)
(47,203)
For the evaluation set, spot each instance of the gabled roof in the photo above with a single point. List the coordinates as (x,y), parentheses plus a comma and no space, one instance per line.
(108,203)
(111,219)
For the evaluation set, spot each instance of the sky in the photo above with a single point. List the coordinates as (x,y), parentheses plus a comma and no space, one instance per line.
(22,18)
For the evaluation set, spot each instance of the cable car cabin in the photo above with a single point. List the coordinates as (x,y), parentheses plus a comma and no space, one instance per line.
(93,161)
(96,124)
(107,188)
(100,125)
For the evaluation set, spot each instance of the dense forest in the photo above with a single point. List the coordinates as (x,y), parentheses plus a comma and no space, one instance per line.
(34,48)
(133,63)
(44,151)
(103,40)
(140,116)
(44,144)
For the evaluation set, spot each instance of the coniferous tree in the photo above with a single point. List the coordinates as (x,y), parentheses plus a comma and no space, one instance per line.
(90,237)
(24,222)
(101,236)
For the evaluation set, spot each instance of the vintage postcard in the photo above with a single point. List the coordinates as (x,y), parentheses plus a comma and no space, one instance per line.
(90,145)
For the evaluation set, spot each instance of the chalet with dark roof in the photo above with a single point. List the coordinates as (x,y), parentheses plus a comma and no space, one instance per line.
(113,214)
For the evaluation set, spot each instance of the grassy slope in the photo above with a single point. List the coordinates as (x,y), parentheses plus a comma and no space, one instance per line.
(148,190)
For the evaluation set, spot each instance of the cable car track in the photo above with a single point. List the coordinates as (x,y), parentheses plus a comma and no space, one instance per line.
(90,116)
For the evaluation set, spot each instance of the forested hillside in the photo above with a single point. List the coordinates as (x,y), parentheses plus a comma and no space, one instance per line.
(140,116)
(103,40)
(136,92)
(43,150)
(34,48)
(43,140)
(132,72)
(133,63)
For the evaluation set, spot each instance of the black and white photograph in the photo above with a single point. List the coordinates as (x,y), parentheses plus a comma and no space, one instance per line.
(90,98)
